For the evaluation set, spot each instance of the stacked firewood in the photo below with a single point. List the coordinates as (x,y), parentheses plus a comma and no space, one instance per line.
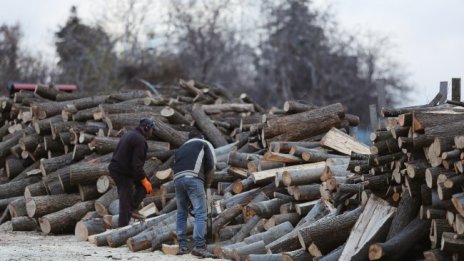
(290,183)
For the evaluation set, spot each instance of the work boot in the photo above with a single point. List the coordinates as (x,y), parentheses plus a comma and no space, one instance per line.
(202,252)
(183,250)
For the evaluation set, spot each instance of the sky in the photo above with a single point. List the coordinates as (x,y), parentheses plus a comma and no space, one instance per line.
(427,35)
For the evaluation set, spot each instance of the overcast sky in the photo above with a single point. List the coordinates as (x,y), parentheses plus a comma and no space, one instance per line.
(427,35)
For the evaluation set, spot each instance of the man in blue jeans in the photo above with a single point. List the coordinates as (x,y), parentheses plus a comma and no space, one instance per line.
(194,164)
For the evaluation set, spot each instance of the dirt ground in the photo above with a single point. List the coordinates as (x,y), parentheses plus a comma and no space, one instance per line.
(33,246)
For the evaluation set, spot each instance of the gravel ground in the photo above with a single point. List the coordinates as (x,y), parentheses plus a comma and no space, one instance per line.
(35,246)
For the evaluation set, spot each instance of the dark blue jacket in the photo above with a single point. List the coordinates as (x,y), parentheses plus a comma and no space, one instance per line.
(130,155)
(195,158)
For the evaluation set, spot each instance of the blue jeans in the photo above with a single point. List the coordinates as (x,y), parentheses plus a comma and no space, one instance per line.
(191,189)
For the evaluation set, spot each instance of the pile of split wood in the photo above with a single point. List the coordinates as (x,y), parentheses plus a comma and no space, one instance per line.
(290,184)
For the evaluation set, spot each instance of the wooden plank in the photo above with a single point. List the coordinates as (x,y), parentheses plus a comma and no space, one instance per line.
(444,91)
(456,89)
(339,141)
(372,223)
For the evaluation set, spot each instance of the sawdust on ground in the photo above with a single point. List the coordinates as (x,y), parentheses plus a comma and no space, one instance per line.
(33,246)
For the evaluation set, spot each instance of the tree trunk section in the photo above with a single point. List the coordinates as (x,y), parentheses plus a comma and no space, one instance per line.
(64,221)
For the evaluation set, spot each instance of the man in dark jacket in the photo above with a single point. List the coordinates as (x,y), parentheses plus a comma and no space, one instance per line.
(193,166)
(126,169)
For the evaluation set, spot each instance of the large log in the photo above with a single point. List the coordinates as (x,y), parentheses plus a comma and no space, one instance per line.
(16,188)
(48,109)
(292,122)
(49,165)
(64,221)
(86,173)
(266,209)
(17,208)
(264,175)
(226,216)
(408,209)
(304,130)
(271,234)
(338,226)
(120,236)
(204,123)
(254,248)
(245,229)
(42,205)
(397,246)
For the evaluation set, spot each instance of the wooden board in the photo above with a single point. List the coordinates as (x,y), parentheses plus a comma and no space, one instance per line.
(339,141)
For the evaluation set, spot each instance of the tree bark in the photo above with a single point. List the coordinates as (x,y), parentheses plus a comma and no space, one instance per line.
(395,247)
(87,173)
(42,205)
(103,202)
(205,124)
(64,221)
(86,228)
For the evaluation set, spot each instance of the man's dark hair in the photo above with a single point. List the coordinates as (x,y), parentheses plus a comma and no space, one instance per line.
(195,134)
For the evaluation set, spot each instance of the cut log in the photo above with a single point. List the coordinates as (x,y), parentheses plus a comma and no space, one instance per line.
(205,124)
(103,202)
(42,205)
(264,175)
(289,123)
(452,245)
(49,165)
(265,257)
(337,226)
(226,216)
(278,219)
(86,228)
(105,183)
(245,229)
(86,173)
(17,207)
(270,235)
(397,246)
(266,209)
(119,237)
(169,249)
(16,188)
(240,253)
(64,221)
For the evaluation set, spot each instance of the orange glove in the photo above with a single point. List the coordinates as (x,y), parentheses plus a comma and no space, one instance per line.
(147,185)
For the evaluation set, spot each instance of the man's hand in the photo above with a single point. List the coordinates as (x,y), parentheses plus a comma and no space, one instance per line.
(147,185)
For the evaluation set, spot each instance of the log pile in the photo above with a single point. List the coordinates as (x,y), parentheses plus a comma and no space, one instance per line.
(290,184)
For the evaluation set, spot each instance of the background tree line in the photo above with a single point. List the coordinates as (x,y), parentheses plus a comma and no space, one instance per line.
(273,50)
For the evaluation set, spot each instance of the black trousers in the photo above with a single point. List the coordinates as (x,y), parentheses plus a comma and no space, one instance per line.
(131,193)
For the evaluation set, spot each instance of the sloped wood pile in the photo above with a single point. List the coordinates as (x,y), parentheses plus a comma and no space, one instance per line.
(283,188)
(416,164)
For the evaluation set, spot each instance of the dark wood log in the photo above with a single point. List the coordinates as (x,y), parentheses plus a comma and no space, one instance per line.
(307,192)
(451,244)
(266,209)
(281,125)
(302,177)
(203,122)
(226,216)
(291,147)
(240,160)
(334,255)
(270,235)
(6,201)
(438,227)
(13,167)
(88,192)
(64,221)
(42,205)
(227,232)
(165,233)
(258,247)
(48,109)
(103,202)
(407,210)
(86,228)
(338,226)
(395,247)
(17,208)
(119,237)
(16,188)
(49,165)
(278,219)
(86,173)
(24,224)
(245,229)
(424,119)
(303,129)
